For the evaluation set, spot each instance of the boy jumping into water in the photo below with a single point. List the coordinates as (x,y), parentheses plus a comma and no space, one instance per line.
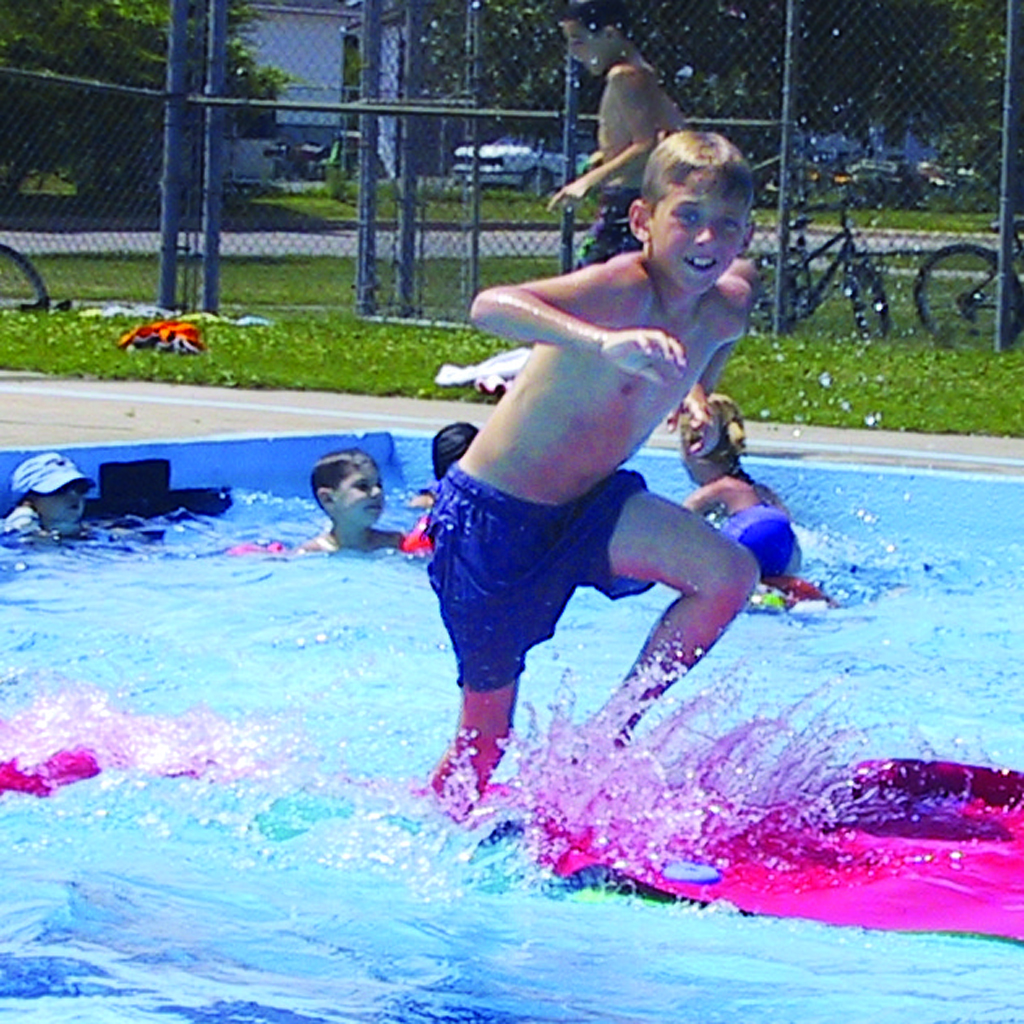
(538,505)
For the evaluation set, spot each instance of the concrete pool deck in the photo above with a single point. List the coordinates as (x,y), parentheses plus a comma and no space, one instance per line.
(44,412)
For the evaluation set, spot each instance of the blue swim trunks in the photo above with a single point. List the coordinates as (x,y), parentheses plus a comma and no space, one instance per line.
(767,532)
(611,233)
(504,569)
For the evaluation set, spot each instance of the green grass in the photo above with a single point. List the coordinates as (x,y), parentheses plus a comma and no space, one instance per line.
(434,203)
(819,376)
(511,205)
(260,283)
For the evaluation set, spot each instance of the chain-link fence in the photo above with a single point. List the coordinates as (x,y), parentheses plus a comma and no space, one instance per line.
(398,155)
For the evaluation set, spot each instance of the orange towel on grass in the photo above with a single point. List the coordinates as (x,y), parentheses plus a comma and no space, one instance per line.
(165,336)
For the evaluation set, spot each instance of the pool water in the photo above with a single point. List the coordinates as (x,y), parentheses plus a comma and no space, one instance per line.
(255,849)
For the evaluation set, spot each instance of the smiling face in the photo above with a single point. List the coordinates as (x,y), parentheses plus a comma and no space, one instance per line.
(357,500)
(695,231)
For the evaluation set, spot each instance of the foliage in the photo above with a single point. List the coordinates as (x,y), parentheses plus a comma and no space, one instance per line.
(105,143)
(521,56)
(805,379)
(935,65)
(119,42)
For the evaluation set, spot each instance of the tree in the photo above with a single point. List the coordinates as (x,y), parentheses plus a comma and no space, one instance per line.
(103,141)
(934,66)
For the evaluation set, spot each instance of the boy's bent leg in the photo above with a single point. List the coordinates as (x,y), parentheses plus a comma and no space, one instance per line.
(656,539)
(485,721)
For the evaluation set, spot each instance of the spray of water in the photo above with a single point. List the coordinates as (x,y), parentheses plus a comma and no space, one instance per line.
(700,783)
(198,742)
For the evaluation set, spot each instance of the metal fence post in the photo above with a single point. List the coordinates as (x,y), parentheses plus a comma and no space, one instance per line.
(572,109)
(174,145)
(1009,185)
(213,162)
(366,266)
(475,64)
(790,72)
(409,171)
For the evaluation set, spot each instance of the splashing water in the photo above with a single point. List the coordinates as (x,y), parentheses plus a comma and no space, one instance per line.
(196,743)
(770,788)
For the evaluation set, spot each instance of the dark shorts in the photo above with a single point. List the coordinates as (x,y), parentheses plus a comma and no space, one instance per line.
(610,234)
(504,569)
(767,532)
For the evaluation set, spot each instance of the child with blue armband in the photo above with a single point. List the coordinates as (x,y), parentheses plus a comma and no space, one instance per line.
(745,510)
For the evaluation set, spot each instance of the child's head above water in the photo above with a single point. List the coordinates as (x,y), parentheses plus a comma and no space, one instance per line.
(450,443)
(347,484)
(724,458)
(55,488)
(686,154)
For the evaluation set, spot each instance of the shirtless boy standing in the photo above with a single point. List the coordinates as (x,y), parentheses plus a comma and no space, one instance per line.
(538,505)
(633,115)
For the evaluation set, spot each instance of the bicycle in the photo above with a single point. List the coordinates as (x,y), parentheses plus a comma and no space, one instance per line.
(957,293)
(806,285)
(21,285)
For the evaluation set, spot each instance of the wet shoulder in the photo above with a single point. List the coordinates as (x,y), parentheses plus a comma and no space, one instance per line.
(617,293)
(729,303)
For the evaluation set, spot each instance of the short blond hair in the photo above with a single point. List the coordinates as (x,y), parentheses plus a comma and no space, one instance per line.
(684,153)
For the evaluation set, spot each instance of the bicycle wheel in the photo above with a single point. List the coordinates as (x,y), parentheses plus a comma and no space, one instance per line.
(21,286)
(957,294)
(868,299)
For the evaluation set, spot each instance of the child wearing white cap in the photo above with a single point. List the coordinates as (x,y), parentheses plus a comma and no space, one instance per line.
(49,492)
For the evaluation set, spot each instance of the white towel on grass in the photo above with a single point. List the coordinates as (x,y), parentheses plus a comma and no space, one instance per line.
(505,365)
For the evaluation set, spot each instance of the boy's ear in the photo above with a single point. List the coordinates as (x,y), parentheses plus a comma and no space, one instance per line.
(324,497)
(640,219)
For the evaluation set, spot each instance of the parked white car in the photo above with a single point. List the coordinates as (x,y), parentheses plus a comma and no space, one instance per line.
(515,163)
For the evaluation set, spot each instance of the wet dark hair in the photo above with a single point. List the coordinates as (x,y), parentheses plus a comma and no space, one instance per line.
(449,445)
(595,15)
(332,468)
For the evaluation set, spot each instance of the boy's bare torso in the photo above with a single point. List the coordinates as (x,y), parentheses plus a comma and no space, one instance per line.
(573,416)
(632,102)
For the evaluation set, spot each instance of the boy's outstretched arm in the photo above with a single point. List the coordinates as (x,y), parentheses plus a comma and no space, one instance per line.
(577,189)
(520,314)
(534,314)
